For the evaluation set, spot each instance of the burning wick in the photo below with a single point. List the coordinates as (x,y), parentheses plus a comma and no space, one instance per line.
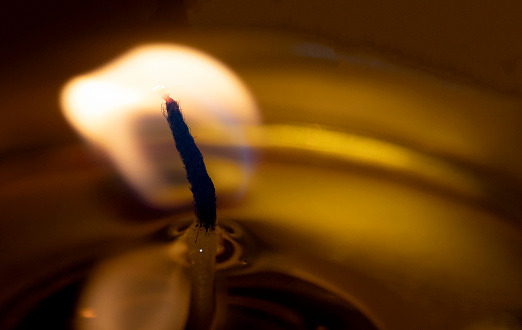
(200,183)
(201,248)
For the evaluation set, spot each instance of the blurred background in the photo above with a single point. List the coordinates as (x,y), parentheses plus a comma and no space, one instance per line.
(428,93)
(45,44)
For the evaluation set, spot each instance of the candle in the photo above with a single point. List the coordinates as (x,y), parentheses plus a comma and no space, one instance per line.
(411,237)
(231,105)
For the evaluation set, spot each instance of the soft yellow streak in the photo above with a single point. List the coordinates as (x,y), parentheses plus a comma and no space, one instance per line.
(367,151)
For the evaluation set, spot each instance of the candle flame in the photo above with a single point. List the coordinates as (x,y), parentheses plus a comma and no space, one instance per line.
(114,108)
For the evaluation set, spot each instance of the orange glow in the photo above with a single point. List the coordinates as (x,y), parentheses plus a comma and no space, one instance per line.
(87,313)
(115,108)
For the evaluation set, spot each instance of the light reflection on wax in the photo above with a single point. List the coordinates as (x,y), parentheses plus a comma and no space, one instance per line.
(115,109)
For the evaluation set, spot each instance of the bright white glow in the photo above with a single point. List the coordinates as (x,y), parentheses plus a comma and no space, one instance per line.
(96,99)
(114,108)
(200,250)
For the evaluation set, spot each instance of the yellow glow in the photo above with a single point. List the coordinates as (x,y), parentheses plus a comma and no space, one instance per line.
(115,108)
(367,151)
